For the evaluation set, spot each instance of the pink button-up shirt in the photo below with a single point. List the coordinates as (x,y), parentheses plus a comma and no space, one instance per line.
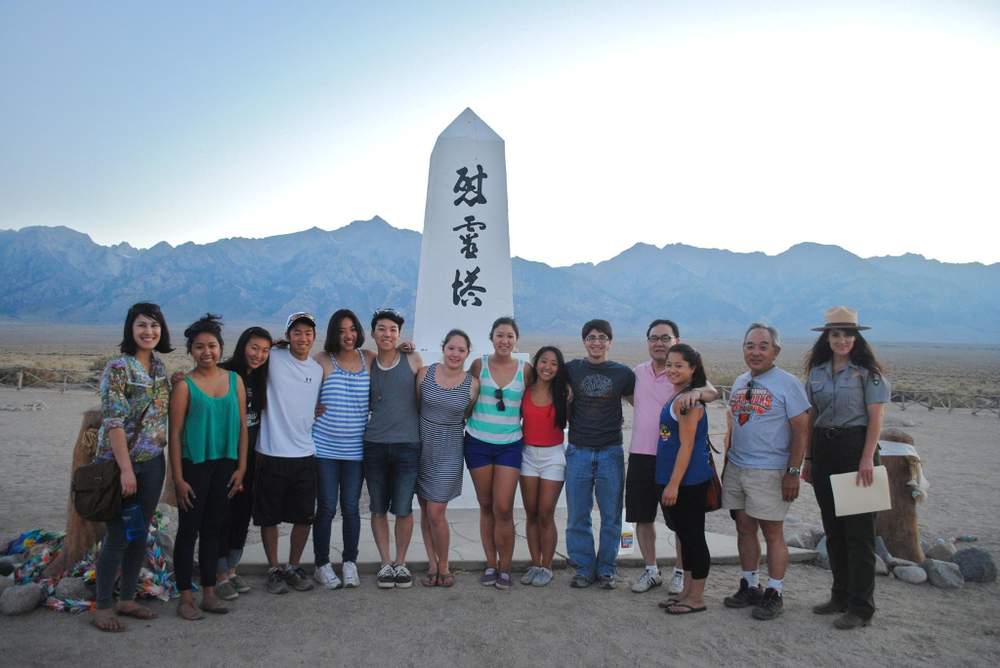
(652,392)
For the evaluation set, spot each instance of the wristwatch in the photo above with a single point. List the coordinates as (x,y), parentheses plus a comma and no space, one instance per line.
(794,470)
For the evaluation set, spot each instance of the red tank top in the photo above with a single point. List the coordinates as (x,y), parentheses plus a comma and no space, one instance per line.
(539,423)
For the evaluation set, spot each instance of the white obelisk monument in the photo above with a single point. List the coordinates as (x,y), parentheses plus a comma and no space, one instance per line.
(465,270)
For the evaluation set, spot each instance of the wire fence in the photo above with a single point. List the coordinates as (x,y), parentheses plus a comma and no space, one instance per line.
(22,377)
(931,400)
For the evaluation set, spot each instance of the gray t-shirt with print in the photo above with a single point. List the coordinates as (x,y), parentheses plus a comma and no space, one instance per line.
(760,408)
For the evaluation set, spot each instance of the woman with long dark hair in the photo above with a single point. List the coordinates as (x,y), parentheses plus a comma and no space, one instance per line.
(848,390)
(543,464)
(135,394)
(684,473)
(249,361)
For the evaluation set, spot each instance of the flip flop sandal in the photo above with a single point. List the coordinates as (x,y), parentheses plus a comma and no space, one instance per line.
(667,603)
(446,580)
(189,611)
(137,612)
(217,608)
(684,609)
(109,624)
(429,580)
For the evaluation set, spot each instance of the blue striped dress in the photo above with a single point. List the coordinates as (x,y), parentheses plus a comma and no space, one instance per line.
(339,431)
(442,424)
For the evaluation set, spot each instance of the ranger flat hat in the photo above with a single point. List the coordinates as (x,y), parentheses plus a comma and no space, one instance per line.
(840,317)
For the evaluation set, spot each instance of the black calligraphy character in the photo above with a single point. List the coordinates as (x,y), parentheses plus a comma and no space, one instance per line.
(470,187)
(470,225)
(469,247)
(462,292)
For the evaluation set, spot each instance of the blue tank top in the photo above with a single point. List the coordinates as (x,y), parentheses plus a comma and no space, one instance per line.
(698,470)
(338,433)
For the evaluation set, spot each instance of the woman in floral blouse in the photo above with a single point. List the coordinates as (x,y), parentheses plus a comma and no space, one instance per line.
(135,392)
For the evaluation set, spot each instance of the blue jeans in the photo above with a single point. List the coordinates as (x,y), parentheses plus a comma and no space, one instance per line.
(590,470)
(391,471)
(115,550)
(337,477)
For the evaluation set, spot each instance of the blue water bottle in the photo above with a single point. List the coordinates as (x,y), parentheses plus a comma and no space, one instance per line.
(135,523)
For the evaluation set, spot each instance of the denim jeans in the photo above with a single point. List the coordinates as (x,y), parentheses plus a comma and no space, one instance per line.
(591,471)
(115,550)
(391,471)
(337,477)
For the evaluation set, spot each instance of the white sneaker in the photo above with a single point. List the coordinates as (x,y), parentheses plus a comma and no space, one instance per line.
(326,577)
(676,583)
(351,578)
(529,575)
(647,581)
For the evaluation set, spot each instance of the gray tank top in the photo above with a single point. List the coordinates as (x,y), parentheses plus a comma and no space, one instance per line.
(393,404)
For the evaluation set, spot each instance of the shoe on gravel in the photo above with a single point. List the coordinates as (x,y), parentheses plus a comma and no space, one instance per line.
(296,578)
(326,577)
(226,591)
(745,596)
(404,579)
(543,576)
(648,580)
(386,577)
(770,606)
(351,578)
(276,581)
(676,583)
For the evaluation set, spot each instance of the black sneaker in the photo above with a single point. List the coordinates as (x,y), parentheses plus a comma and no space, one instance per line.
(831,607)
(404,579)
(770,606)
(296,578)
(276,581)
(386,577)
(745,597)
(850,620)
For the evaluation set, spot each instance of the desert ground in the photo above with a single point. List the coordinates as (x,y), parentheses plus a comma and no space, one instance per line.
(472,625)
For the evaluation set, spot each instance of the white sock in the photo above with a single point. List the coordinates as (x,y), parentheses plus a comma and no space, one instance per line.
(751,578)
(652,569)
(774,584)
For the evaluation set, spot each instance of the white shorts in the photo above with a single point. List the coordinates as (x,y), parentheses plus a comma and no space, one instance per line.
(547,463)
(755,491)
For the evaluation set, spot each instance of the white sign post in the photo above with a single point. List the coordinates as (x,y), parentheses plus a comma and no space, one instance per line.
(465,269)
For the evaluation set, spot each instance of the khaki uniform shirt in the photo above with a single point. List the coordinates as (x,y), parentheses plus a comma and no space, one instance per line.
(841,399)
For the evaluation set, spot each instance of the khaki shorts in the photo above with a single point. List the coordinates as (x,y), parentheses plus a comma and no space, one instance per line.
(756,491)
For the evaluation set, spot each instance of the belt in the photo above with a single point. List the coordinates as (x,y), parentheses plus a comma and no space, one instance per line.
(831,433)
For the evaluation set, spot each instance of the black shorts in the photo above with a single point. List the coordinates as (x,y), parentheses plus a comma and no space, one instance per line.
(284,490)
(642,495)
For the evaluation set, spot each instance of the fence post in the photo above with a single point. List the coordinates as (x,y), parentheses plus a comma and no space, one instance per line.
(65,382)
(20,380)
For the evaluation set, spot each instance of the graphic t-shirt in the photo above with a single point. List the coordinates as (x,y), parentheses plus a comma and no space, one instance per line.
(760,408)
(595,417)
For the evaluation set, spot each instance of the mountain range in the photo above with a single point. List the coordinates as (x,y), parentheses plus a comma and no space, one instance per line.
(57,274)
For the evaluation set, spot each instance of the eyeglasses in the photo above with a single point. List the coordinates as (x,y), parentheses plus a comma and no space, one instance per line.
(665,338)
(749,391)
(594,338)
(498,395)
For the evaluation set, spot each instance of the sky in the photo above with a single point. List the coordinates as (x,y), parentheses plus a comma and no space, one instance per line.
(751,126)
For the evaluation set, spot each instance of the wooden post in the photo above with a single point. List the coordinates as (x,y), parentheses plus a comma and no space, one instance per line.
(20,380)
(65,381)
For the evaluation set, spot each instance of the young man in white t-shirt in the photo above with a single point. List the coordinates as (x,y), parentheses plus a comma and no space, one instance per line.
(285,487)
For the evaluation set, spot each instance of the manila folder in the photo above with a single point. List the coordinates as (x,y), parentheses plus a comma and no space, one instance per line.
(849,498)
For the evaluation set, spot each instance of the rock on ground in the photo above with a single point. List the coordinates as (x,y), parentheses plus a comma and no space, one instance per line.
(976,564)
(20,599)
(880,567)
(5,583)
(943,574)
(881,550)
(74,588)
(911,574)
(942,550)
(822,556)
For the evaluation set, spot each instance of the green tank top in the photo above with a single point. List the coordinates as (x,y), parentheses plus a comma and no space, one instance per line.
(212,424)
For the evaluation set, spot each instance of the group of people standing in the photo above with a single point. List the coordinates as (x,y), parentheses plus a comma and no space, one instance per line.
(281,435)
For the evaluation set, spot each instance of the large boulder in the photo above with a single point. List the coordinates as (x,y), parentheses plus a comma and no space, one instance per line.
(880,567)
(911,574)
(805,536)
(943,574)
(6,567)
(942,550)
(6,583)
(976,564)
(20,599)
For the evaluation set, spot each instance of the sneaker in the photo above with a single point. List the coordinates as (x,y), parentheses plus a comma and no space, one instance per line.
(503,581)
(404,579)
(296,578)
(770,605)
(580,581)
(386,577)
(239,584)
(529,575)
(326,577)
(226,591)
(607,581)
(351,578)
(831,607)
(488,578)
(647,581)
(849,620)
(745,597)
(543,576)
(676,583)
(276,581)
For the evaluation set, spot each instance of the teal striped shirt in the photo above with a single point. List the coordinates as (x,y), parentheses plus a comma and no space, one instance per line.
(490,424)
